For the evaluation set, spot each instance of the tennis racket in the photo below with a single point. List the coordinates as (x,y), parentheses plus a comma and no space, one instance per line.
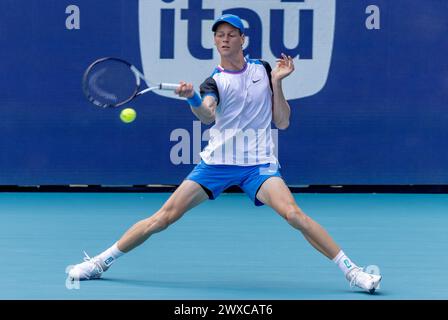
(112,82)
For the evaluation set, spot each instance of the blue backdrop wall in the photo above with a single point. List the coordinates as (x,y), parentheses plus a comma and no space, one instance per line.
(369,97)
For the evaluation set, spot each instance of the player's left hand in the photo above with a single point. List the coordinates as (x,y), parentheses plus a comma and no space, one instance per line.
(284,67)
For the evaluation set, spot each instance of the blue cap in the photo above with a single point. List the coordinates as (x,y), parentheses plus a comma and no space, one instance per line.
(230,19)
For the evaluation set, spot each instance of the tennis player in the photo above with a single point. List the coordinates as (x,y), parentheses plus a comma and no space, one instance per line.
(242,97)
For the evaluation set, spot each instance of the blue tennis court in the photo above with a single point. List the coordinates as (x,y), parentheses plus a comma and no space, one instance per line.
(223,249)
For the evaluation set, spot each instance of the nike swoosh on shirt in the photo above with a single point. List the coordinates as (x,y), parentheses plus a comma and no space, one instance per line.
(255,81)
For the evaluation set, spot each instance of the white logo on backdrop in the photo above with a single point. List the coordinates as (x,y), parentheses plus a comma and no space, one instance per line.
(170,52)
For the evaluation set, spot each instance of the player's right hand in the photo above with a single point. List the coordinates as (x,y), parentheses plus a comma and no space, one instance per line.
(185,90)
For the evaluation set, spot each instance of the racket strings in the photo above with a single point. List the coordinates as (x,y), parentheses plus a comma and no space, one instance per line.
(96,86)
(111,83)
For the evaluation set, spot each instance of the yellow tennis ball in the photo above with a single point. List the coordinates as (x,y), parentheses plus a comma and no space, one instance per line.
(128,115)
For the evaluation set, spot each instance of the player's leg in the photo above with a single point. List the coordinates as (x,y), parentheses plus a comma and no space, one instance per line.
(275,193)
(188,195)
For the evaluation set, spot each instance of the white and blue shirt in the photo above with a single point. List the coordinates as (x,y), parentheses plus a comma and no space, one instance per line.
(241,134)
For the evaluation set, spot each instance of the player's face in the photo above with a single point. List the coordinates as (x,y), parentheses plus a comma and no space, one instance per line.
(228,40)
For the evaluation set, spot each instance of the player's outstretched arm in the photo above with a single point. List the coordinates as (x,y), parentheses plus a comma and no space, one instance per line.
(204,109)
(206,112)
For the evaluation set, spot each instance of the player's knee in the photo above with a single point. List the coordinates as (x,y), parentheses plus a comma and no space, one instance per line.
(153,224)
(160,223)
(165,217)
(297,218)
(290,210)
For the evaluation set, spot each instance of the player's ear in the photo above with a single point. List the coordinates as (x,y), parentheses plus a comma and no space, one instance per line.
(243,38)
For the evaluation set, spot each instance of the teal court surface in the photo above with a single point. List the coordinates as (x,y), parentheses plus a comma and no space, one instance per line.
(223,249)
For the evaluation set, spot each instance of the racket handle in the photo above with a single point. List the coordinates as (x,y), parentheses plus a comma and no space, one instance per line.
(169,86)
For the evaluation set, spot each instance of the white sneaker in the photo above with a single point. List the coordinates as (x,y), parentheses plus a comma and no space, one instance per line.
(91,268)
(363,280)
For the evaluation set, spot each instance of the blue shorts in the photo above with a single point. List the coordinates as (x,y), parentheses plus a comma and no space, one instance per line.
(216,178)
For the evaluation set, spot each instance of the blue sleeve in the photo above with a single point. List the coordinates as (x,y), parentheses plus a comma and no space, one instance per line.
(209,88)
(268,68)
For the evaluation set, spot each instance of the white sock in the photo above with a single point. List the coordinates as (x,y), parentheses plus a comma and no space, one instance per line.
(344,263)
(110,255)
